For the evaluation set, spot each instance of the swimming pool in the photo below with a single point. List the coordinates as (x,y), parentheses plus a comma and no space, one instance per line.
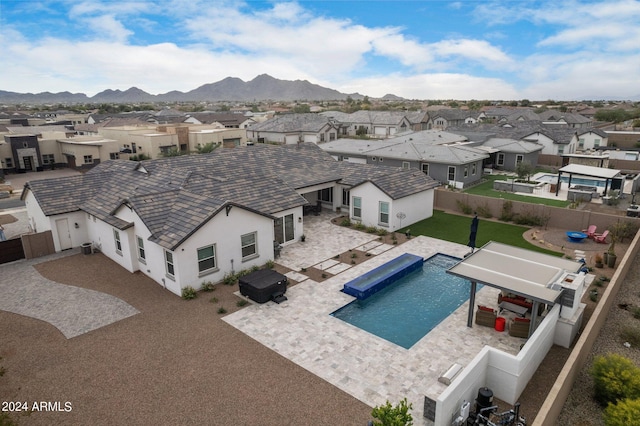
(406,311)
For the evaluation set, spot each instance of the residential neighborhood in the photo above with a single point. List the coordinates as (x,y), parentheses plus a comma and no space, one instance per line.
(193,200)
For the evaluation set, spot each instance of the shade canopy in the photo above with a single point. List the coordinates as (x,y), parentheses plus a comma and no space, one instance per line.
(591,171)
(516,270)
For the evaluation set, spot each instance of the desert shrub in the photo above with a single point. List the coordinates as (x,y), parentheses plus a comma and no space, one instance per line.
(354,255)
(507,213)
(189,293)
(635,312)
(229,279)
(484,210)
(464,207)
(359,226)
(389,415)
(381,231)
(270,264)
(207,286)
(242,273)
(528,219)
(631,334)
(624,413)
(222,310)
(255,268)
(371,229)
(241,303)
(345,222)
(615,378)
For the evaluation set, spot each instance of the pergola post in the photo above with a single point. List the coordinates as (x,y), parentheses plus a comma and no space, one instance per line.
(472,303)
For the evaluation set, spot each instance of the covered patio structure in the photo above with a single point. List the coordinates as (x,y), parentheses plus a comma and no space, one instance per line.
(591,171)
(526,273)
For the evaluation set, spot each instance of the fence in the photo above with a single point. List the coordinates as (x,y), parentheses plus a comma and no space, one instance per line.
(27,246)
(555,217)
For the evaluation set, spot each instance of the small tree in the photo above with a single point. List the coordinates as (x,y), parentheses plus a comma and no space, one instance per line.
(207,148)
(388,415)
(524,169)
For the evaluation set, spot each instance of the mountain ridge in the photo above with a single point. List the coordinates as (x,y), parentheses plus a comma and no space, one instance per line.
(263,87)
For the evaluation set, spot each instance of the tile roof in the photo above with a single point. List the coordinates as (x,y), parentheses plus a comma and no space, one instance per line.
(292,123)
(175,196)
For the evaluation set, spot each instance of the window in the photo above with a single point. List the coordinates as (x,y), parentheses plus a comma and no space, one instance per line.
(142,257)
(406,165)
(425,168)
(474,169)
(326,195)
(248,243)
(519,159)
(284,228)
(133,148)
(321,137)
(596,143)
(332,136)
(451,175)
(560,150)
(8,162)
(168,262)
(500,160)
(88,159)
(581,143)
(206,258)
(116,237)
(114,155)
(48,159)
(384,213)
(466,171)
(345,197)
(357,207)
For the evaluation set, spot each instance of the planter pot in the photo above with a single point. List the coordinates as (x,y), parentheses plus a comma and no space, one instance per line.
(611,260)
(605,258)
(599,264)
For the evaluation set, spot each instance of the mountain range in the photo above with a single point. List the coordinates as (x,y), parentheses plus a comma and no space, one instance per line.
(263,87)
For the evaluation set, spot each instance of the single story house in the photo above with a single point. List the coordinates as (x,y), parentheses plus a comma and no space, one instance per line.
(373,124)
(445,157)
(195,218)
(293,129)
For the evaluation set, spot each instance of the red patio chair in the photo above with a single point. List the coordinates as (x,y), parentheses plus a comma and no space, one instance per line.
(600,238)
(590,231)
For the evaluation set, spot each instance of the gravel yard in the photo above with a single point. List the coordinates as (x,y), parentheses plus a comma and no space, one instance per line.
(175,362)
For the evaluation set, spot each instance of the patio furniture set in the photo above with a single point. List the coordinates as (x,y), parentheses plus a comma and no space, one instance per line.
(590,232)
(518,325)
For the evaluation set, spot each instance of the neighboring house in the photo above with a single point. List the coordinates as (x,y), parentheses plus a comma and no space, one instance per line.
(445,118)
(189,219)
(292,129)
(568,119)
(226,120)
(591,139)
(507,154)
(374,124)
(445,157)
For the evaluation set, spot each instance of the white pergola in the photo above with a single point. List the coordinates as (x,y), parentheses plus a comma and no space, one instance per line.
(516,270)
(591,171)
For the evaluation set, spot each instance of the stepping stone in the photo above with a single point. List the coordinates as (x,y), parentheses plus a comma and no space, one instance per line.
(380,249)
(368,246)
(323,266)
(341,267)
(296,276)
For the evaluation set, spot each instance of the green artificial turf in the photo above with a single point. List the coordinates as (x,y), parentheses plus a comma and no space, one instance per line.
(486,189)
(455,228)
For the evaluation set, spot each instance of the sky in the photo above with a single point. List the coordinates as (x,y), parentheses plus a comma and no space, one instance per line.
(421,49)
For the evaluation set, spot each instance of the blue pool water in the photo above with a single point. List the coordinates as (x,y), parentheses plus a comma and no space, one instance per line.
(574,180)
(407,310)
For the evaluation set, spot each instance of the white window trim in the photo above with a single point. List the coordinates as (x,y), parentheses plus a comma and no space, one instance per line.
(215,261)
(255,244)
(118,242)
(139,247)
(380,222)
(168,274)
(353,210)
(500,159)
(406,165)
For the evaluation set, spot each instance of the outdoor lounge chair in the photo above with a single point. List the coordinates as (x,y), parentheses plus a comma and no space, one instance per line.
(590,231)
(486,316)
(519,327)
(600,238)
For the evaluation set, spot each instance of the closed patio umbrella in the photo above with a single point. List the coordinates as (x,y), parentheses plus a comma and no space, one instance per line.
(473,233)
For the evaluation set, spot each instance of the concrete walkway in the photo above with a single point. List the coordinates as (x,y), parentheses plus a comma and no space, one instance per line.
(72,310)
